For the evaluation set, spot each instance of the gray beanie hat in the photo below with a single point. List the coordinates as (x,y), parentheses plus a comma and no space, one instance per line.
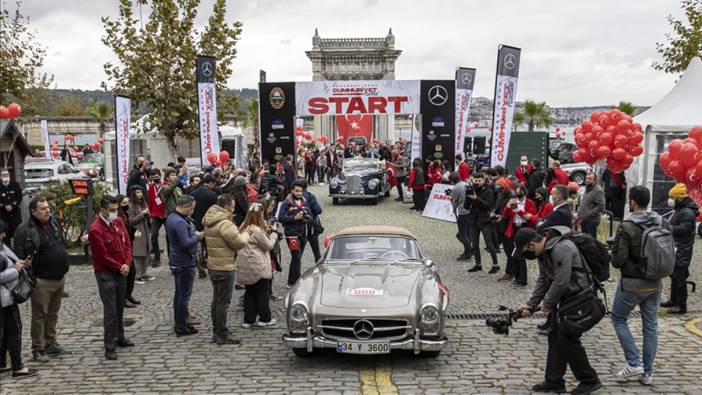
(239,181)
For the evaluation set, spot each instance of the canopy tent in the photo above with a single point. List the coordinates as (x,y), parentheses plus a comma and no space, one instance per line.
(671,118)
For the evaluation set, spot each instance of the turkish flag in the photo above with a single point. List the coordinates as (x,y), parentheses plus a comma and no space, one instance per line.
(355,125)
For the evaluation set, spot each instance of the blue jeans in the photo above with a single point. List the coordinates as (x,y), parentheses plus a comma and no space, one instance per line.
(184,278)
(624,303)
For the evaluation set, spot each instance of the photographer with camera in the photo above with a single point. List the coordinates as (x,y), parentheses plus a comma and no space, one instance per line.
(295,216)
(139,175)
(480,201)
(565,285)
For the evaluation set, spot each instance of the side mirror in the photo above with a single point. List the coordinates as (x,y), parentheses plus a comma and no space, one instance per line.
(428,262)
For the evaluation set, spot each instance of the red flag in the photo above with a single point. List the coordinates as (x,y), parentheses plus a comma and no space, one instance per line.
(355,125)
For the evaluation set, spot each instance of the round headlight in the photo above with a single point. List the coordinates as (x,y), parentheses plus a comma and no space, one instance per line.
(334,184)
(298,312)
(372,184)
(430,314)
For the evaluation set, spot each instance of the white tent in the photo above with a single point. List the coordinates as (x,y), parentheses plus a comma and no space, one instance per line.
(671,118)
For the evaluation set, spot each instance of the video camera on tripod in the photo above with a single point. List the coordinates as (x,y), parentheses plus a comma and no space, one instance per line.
(500,325)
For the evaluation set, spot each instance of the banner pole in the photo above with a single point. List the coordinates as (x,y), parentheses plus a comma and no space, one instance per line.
(494,98)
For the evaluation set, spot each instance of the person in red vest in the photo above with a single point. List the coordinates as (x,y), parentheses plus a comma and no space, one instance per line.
(435,172)
(520,212)
(463,168)
(523,170)
(543,206)
(112,258)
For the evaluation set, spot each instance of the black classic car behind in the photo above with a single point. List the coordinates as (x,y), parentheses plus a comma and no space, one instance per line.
(360,178)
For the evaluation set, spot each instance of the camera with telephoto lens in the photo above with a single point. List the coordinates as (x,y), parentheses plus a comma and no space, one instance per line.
(500,325)
(470,189)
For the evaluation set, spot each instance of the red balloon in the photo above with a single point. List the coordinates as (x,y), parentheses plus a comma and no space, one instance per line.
(224,156)
(664,161)
(586,126)
(636,151)
(605,139)
(636,126)
(698,168)
(687,154)
(4,112)
(603,151)
(620,141)
(628,159)
(593,145)
(603,120)
(677,170)
(674,148)
(615,115)
(637,138)
(14,110)
(623,124)
(212,158)
(618,154)
(691,178)
(595,116)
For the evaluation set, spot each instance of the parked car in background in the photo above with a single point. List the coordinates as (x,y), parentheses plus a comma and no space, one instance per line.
(38,172)
(360,141)
(564,153)
(371,293)
(93,166)
(360,178)
(577,171)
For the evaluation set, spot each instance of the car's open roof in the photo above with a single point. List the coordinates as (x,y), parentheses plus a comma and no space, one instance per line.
(374,230)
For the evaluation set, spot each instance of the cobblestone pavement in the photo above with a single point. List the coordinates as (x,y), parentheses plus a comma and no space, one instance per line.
(476,360)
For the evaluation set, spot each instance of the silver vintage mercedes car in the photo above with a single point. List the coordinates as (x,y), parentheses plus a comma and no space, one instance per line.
(372,292)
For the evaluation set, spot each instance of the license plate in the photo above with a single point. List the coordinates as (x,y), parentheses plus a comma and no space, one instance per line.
(363,348)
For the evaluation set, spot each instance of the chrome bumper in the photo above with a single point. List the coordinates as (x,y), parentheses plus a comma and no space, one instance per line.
(414,343)
(352,196)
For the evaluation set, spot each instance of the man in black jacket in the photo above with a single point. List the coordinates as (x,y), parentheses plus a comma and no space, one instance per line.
(289,174)
(684,224)
(536,178)
(561,214)
(480,200)
(205,198)
(138,175)
(10,199)
(41,238)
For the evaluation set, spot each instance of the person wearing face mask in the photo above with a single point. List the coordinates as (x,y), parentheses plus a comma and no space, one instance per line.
(111,251)
(139,174)
(561,214)
(480,200)
(41,238)
(123,214)
(685,212)
(171,191)
(520,212)
(543,206)
(592,204)
(157,210)
(10,199)
(562,277)
(536,178)
(223,240)
(523,170)
(139,215)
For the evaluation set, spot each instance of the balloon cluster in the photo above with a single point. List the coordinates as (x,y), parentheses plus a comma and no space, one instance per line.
(10,112)
(683,160)
(218,160)
(609,136)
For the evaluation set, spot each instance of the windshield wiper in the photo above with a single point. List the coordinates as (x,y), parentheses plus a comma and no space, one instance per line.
(370,258)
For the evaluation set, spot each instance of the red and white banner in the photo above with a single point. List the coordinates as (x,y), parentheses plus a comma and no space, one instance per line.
(505,99)
(465,78)
(122,125)
(207,107)
(45,138)
(357,97)
(355,125)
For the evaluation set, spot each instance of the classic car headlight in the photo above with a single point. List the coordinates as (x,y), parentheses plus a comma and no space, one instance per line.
(298,318)
(430,320)
(334,184)
(372,184)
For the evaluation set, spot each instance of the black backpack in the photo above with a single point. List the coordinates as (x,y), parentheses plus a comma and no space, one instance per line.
(594,253)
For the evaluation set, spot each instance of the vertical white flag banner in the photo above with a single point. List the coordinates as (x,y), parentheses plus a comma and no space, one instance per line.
(505,99)
(416,140)
(207,107)
(465,78)
(122,125)
(45,138)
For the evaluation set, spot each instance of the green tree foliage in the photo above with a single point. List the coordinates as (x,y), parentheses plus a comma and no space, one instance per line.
(101,112)
(626,107)
(249,115)
(535,114)
(686,41)
(67,106)
(157,60)
(20,54)
(71,217)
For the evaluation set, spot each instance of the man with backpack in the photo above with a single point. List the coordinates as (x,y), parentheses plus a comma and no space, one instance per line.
(684,224)
(565,285)
(639,254)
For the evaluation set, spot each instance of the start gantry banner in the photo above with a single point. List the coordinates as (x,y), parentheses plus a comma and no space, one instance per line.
(207,106)
(123,115)
(505,99)
(357,97)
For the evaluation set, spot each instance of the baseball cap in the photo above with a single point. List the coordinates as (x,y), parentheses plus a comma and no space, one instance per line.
(523,237)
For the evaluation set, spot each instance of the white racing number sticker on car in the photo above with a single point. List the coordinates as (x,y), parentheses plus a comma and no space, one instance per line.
(364,292)
(362,348)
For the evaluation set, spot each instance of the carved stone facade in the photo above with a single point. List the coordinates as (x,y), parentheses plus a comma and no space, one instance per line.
(353,58)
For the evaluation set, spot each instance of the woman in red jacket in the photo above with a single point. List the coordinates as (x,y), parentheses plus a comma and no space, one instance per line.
(519,212)
(543,206)
(418,185)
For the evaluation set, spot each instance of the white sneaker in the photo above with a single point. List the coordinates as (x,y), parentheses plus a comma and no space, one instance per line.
(646,379)
(629,371)
(247,326)
(272,322)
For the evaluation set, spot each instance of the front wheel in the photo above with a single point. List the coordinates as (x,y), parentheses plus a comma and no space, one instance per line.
(302,352)
(335,201)
(578,178)
(375,200)
(699,229)
(429,354)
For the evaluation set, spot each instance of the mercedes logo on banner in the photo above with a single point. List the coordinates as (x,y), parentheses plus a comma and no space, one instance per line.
(510,61)
(466,79)
(363,329)
(437,95)
(207,69)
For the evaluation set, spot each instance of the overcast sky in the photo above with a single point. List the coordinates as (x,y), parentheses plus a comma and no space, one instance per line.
(573,52)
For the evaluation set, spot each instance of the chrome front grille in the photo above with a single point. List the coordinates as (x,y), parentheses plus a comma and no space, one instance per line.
(385,329)
(353,184)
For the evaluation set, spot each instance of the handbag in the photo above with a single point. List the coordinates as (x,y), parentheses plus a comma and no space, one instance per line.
(22,291)
(318,228)
(581,313)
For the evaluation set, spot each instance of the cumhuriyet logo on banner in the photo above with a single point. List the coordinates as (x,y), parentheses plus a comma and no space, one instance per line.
(277,98)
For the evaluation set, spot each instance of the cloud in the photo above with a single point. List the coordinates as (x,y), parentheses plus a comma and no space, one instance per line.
(574,53)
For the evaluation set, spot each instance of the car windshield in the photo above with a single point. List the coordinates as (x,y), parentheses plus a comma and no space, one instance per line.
(373,248)
(38,173)
(360,164)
